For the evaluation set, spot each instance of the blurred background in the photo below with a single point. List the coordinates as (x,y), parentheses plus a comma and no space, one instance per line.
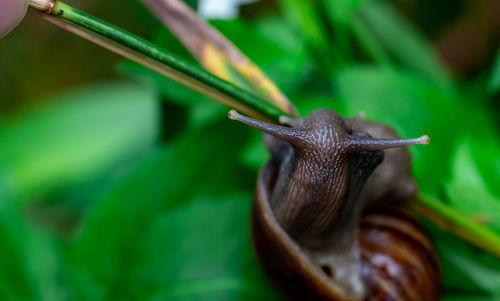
(119,184)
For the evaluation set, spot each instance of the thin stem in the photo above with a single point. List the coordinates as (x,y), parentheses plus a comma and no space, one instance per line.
(215,52)
(152,56)
(456,222)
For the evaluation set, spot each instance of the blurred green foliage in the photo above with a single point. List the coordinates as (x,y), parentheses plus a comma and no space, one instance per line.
(95,206)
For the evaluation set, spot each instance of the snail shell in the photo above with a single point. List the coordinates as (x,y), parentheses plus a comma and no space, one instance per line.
(398,261)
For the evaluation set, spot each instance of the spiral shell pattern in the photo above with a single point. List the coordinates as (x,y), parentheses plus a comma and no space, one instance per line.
(399,262)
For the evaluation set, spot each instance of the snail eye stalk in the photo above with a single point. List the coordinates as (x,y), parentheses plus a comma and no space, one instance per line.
(359,144)
(295,137)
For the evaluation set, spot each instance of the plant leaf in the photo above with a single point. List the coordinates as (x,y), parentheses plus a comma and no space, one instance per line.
(304,18)
(343,11)
(30,266)
(413,105)
(307,21)
(403,41)
(221,263)
(466,269)
(216,53)
(148,54)
(467,186)
(494,82)
(121,218)
(74,136)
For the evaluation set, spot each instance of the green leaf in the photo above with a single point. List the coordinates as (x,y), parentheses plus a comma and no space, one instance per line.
(30,266)
(264,41)
(467,189)
(151,55)
(199,162)
(404,42)
(217,54)
(255,153)
(494,82)
(201,109)
(466,269)
(369,42)
(343,11)
(304,18)
(269,33)
(251,38)
(75,136)
(413,106)
(202,251)
(14,279)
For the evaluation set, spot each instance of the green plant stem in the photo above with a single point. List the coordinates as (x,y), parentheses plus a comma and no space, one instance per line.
(456,222)
(180,70)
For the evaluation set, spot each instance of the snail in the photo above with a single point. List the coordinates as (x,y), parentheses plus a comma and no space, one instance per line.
(323,228)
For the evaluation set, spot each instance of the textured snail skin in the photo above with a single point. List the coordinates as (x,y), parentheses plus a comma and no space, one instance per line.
(320,232)
(397,258)
(324,164)
(288,265)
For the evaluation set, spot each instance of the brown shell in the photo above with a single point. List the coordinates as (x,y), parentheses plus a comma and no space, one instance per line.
(398,260)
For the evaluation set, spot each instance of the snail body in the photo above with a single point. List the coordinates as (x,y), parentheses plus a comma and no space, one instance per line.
(322,234)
